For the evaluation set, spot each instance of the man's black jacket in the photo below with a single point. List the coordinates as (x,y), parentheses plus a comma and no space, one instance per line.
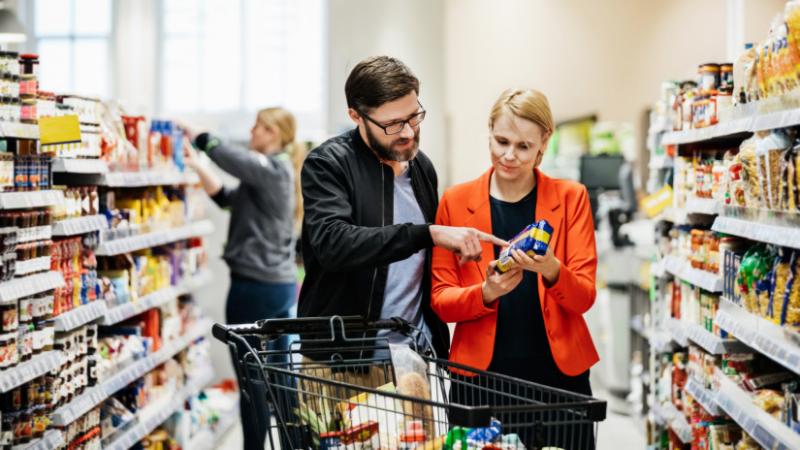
(349,238)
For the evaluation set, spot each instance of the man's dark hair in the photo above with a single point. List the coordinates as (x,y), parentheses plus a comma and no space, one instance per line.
(377,80)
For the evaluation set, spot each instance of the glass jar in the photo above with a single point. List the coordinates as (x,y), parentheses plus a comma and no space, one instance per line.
(29,64)
(10,318)
(28,110)
(709,77)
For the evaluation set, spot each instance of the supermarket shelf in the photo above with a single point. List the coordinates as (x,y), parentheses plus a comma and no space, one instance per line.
(209,440)
(19,130)
(782,235)
(668,415)
(28,370)
(154,239)
(728,129)
(34,234)
(32,265)
(149,178)
(30,285)
(677,331)
(80,225)
(637,325)
(94,396)
(760,334)
(52,439)
(156,299)
(80,316)
(705,397)
(707,206)
(80,166)
(154,415)
(30,199)
(711,343)
(765,429)
(700,278)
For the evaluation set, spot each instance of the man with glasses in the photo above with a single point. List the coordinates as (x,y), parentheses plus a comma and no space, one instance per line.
(370,198)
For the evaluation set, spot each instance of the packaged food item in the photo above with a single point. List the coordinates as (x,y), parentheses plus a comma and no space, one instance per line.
(769,151)
(533,240)
(769,400)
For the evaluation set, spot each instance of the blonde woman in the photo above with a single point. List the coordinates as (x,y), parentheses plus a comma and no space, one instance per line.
(527,323)
(265,214)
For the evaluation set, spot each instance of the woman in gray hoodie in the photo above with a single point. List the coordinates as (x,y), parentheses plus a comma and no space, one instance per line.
(265,213)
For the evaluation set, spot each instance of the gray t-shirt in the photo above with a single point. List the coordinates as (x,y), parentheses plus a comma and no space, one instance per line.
(403,295)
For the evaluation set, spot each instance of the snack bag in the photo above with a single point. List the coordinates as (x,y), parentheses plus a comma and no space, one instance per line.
(533,240)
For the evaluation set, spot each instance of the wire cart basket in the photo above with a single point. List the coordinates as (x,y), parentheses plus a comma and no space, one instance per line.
(342,385)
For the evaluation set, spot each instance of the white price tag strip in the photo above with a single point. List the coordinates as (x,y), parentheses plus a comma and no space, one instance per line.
(80,166)
(51,439)
(80,225)
(705,397)
(682,269)
(149,178)
(784,236)
(80,316)
(34,265)
(712,344)
(154,239)
(28,370)
(30,199)
(30,285)
(34,234)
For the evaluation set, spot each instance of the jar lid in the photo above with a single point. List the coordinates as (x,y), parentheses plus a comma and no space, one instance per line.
(709,66)
(29,56)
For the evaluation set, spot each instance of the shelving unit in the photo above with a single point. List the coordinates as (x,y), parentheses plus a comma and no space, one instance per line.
(156,299)
(154,415)
(669,416)
(682,269)
(51,439)
(765,429)
(80,166)
(26,371)
(94,396)
(80,225)
(783,235)
(208,440)
(80,316)
(705,397)
(30,199)
(30,285)
(154,239)
(149,178)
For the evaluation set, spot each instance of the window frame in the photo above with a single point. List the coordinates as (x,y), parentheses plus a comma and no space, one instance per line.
(33,40)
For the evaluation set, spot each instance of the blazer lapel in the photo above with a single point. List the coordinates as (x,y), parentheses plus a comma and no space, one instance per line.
(481,219)
(548,207)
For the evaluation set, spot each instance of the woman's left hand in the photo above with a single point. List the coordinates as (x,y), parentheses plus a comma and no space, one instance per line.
(547,265)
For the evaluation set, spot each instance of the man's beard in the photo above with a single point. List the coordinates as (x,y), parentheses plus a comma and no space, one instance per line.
(389,153)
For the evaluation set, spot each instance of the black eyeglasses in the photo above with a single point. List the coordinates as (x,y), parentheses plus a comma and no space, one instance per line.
(398,125)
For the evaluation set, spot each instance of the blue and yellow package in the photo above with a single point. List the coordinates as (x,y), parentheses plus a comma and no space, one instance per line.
(533,240)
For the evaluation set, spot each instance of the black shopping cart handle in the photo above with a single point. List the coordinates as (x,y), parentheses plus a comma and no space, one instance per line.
(279,327)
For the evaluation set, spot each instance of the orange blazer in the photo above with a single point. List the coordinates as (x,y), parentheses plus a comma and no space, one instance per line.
(456,290)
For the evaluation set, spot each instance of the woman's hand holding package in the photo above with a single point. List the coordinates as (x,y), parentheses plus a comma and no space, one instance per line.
(547,265)
(499,284)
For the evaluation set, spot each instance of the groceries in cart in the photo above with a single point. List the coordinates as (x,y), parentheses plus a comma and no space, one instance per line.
(533,240)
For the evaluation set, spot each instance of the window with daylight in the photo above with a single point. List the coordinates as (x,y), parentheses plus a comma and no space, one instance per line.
(73,39)
(242,55)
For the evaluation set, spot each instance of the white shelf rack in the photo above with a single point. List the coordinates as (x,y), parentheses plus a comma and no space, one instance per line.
(33,265)
(759,334)
(669,415)
(51,439)
(765,429)
(19,130)
(677,331)
(80,225)
(30,199)
(34,234)
(149,178)
(26,371)
(97,394)
(782,235)
(80,166)
(711,343)
(30,285)
(156,299)
(209,440)
(80,316)
(682,269)
(154,239)
(153,415)
(705,397)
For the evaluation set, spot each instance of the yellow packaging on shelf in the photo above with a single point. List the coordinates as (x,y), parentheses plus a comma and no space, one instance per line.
(655,203)
(59,130)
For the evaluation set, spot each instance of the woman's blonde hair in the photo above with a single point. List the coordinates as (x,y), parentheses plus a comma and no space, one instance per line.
(528,104)
(282,121)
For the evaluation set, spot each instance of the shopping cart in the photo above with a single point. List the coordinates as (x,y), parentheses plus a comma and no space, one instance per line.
(338,388)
